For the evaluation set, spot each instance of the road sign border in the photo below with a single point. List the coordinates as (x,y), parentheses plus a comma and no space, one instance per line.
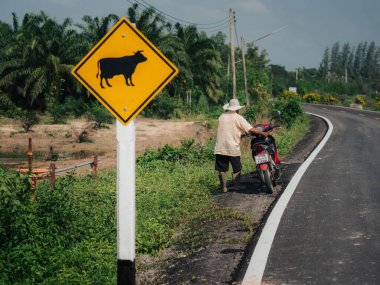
(147,42)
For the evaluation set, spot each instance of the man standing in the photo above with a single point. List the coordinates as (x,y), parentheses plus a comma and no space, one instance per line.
(231,126)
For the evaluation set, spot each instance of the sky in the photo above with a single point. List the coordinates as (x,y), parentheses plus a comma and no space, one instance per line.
(310,25)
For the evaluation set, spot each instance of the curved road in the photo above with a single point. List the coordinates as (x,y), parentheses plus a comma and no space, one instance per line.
(330,230)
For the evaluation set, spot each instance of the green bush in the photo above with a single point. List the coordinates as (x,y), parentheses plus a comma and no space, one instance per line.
(51,240)
(288,95)
(58,111)
(290,111)
(329,99)
(77,106)
(8,108)
(68,234)
(100,115)
(314,98)
(251,113)
(188,152)
(28,119)
(360,100)
(15,204)
(163,107)
(377,104)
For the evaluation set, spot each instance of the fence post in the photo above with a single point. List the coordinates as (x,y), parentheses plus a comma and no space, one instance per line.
(52,175)
(95,167)
(30,156)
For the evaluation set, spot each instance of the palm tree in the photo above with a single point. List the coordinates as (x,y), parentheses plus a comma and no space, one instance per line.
(151,24)
(95,28)
(39,60)
(205,61)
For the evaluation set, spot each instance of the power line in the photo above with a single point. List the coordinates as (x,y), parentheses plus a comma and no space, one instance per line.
(184,21)
(267,35)
(222,23)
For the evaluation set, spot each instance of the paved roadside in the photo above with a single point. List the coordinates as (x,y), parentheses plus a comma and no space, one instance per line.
(327,234)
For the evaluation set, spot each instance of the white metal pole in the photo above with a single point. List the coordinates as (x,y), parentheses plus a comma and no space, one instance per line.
(126,203)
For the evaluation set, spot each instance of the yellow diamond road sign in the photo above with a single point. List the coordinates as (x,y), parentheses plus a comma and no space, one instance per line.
(124,71)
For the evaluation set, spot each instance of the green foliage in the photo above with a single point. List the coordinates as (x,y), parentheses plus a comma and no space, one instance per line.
(290,111)
(330,99)
(15,204)
(68,234)
(99,114)
(188,152)
(252,112)
(377,104)
(287,138)
(314,98)
(360,100)
(28,119)
(288,95)
(163,107)
(60,237)
(58,111)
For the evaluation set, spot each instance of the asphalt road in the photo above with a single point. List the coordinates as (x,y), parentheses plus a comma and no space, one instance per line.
(330,230)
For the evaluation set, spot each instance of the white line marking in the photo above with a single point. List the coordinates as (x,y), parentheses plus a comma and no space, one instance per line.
(259,258)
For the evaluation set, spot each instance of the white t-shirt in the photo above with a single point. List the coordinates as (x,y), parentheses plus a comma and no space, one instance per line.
(231,125)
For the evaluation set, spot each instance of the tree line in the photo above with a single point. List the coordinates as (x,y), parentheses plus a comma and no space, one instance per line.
(362,61)
(37,55)
(345,71)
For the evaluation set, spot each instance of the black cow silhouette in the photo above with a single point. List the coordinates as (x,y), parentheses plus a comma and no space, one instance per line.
(126,65)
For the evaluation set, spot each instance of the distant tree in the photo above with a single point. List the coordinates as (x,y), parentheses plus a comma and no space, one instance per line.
(344,58)
(335,59)
(324,66)
(370,61)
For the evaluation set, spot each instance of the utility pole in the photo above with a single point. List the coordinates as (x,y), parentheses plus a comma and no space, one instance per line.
(232,23)
(245,71)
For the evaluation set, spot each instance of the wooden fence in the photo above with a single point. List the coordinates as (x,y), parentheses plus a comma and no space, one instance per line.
(51,172)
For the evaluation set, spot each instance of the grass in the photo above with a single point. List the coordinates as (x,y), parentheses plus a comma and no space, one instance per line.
(68,234)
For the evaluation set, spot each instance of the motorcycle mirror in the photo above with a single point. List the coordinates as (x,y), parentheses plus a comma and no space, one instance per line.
(276,114)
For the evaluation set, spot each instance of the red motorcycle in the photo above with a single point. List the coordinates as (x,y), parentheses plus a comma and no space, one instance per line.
(265,155)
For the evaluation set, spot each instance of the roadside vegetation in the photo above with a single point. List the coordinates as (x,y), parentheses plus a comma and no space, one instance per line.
(69,233)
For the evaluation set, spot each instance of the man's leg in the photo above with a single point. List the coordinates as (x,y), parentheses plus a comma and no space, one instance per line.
(221,165)
(236,167)
(223,181)
(236,180)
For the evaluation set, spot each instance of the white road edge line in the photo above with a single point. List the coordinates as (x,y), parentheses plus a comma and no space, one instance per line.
(259,258)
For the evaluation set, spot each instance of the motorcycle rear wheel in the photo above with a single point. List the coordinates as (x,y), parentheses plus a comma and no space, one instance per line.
(268,181)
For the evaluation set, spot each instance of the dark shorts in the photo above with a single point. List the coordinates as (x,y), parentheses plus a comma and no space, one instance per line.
(222,162)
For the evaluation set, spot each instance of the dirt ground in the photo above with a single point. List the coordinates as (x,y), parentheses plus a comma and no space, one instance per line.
(150,133)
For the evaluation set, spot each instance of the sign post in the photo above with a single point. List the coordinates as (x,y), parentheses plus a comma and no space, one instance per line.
(125,71)
(125,136)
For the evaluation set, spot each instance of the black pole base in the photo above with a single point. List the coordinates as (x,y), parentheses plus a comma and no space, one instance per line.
(126,272)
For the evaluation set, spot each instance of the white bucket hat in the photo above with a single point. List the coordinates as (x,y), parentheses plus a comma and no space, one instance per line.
(233,105)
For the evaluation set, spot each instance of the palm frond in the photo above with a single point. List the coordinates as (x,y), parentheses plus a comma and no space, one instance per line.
(10,78)
(11,64)
(37,88)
